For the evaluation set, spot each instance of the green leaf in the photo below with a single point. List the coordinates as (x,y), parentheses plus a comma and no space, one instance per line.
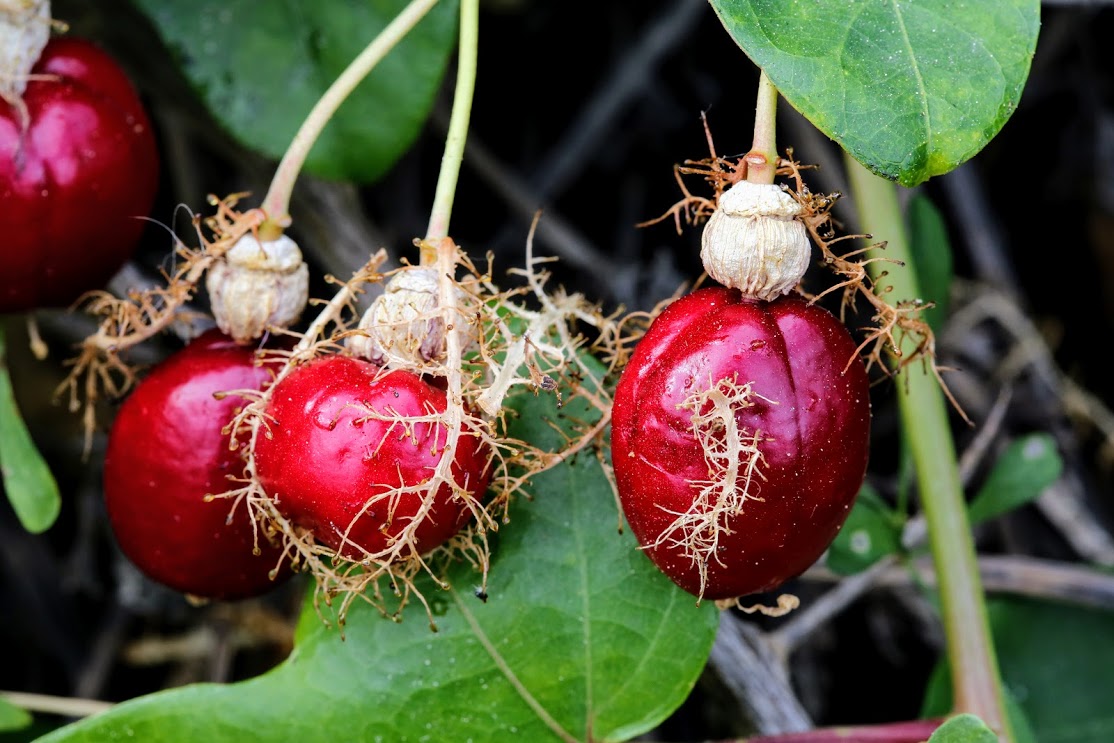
(27,480)
(910,89)
(580,633)
(964,728)
(13,717)
(1026,467)
(1057,662)
(261,67)
(932,254)
(872,531)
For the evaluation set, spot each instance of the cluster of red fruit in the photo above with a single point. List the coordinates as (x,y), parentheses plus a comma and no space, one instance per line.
(78,157)
(740,426)
(332,447)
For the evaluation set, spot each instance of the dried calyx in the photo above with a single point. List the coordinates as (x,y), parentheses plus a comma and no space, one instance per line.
(24,33)
(755,241)
(404,328)
(258,285)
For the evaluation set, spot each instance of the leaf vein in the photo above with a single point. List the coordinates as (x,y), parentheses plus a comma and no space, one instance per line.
(509,674)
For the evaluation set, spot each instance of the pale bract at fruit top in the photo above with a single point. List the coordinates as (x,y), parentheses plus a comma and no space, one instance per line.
(755,242)
(259,284)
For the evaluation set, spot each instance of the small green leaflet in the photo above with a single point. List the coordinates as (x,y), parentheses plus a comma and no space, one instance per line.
(27,480)
(932,254)
(964,728)
(909,88)
(1026,467)
(12,717)
(872,531)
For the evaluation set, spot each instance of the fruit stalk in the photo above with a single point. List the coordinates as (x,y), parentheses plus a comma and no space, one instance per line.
(975,677)
(762,159)
(276,204)
(441,211)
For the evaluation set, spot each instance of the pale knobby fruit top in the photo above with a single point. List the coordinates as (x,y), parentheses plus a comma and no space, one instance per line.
(24,33)
(755,241)
(403,327)
(258,284)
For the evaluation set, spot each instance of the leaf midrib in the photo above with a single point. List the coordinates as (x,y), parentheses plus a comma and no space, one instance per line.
(921,89)
(508,672)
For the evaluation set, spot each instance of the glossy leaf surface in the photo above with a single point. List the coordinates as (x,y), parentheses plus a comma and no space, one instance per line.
(260,68)
(911,89)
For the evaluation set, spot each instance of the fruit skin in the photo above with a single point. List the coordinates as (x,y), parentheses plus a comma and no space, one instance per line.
(73,187)
(322,463)
(165,452)
(793,353)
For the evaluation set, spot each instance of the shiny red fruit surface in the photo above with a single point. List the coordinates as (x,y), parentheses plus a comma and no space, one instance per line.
(166,451)
(338,452)
(75,185)
(808,416)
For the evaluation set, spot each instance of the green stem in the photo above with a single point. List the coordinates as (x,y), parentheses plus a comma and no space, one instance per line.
(276,204)
(924,415)
(762,158)
(458,129)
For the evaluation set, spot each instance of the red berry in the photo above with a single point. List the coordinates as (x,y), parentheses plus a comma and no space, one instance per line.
(73,186)
(166,452)
(803,424)
(340,448)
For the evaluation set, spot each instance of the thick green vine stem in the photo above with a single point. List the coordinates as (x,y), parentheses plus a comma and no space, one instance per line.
(458,128)
(975,677)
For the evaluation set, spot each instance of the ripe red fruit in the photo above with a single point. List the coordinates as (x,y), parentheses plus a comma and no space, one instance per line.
(740,439)
(166,452)
(72,185)
(339,449)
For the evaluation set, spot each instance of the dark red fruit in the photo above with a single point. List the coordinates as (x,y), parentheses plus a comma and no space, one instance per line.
(813,442)
(166,451)
(74,186)
(329,460)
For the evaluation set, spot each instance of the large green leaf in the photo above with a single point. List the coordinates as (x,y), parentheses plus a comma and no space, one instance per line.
(260,68)
(25,477)
(579,633)
(910,88)
(1058,664)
